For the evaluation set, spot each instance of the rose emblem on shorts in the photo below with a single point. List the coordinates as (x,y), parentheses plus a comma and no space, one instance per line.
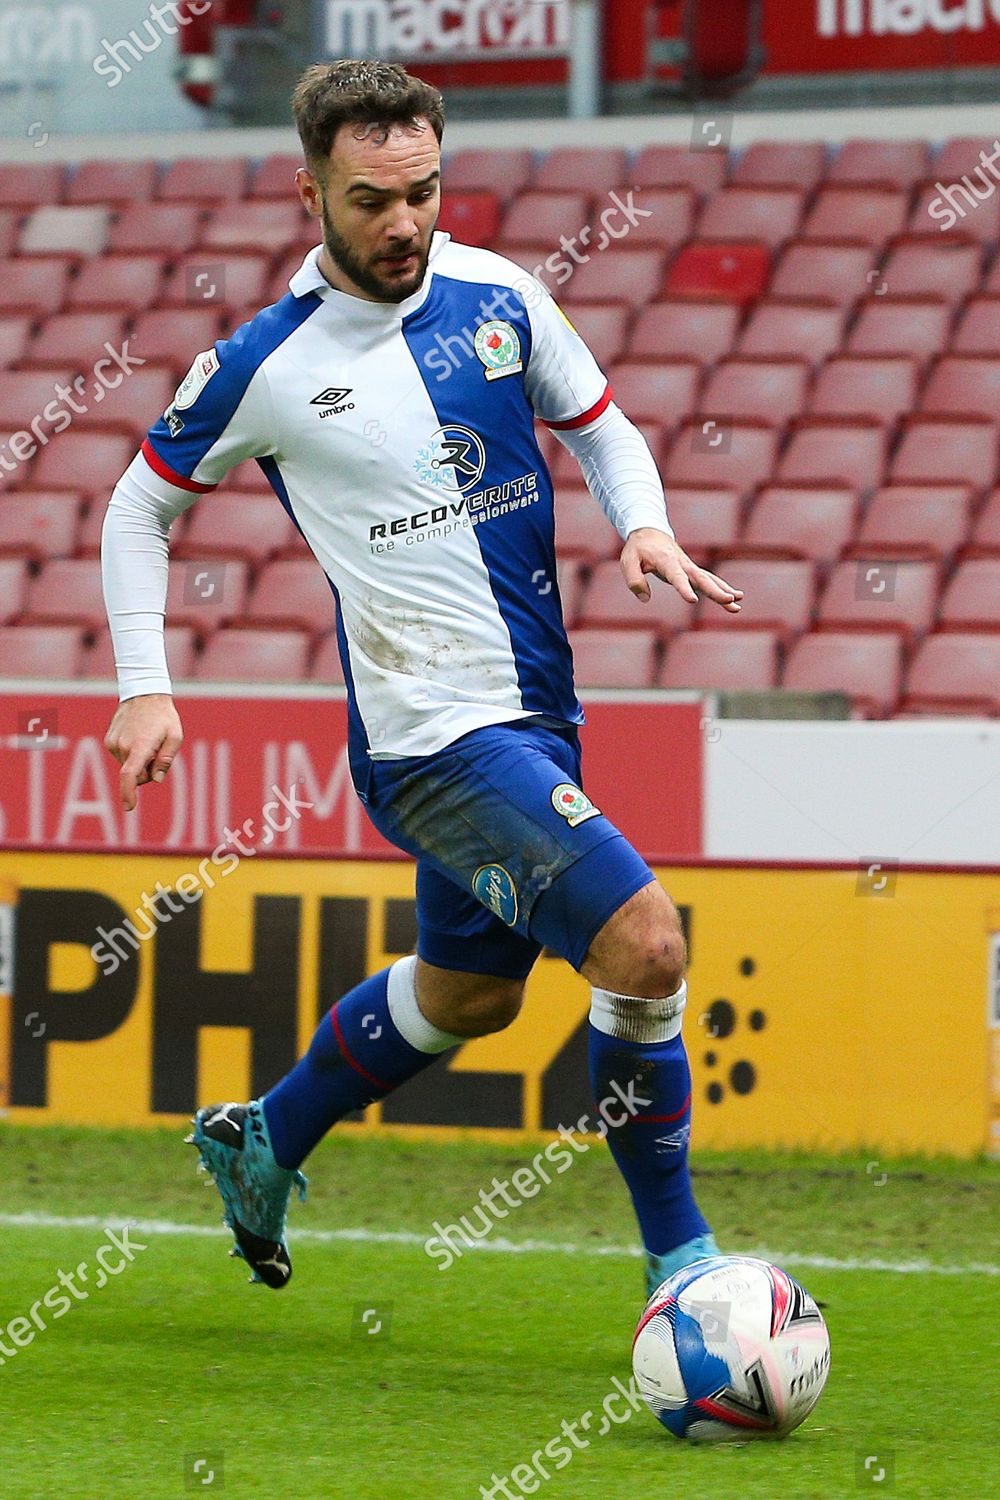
(572,804)
(498,349)
(494,887)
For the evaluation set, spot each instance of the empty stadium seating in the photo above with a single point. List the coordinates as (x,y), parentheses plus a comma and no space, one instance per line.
(816,366)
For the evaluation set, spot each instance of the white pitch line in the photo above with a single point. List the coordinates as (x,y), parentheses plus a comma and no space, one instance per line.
(497,1244)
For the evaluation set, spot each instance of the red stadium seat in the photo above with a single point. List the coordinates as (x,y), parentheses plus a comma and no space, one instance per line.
(248,476)
(582,529)
(668,216)
(503,172)
(13,586)
(960,155)
(901,326)
(777,595)
(769,216)
(133,406)
(781,164)
(845,453)
(39,525)
(711,452)
(871,594)
(985,539)
(963,385)
(174,336)
(978,330)
(118,183)
(951,452)
(9,221)
(254,656)
(58,230)
(206,592)
(268,226)
(800,521)
(871,215)
(569,581)
(120,283)
(734,272)
(706,521)
(291,594)
(721,659)
(582,169)
(971,601)
(603,326)
(957,210)
(655,391)
(66,591)
(98,662)
(613,658)
(75,339)
(14,336)
(89,461)
(11,477)
(27,184)
(326,665)
(25,395)
(471,218)
(147,228)
(609,604)
(915,521)
(540,218)
(865,386)
(229,524)
(35,287)
(922,268)
(892,164)
(868,668)
(680,166)
(277,285)
(756,390)
(632,276)
(213,278)
(203,179)
(41,651)
(685,330)
(275,177)
(792,330)
(952,672)
(811,270)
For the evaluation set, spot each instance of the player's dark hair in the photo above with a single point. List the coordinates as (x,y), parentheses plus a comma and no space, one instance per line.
(371,94)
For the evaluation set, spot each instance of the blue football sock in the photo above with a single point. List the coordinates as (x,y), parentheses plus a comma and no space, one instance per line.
(373,1040)
(639,1042)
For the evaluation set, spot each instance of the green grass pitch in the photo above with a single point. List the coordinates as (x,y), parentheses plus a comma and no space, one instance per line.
(176,1362)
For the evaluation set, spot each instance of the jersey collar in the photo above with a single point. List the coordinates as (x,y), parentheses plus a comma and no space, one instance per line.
(309,278)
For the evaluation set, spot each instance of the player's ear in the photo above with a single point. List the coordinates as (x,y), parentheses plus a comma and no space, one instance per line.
(309,192)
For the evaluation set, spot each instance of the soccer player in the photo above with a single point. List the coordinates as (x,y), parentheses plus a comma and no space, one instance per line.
(390,400)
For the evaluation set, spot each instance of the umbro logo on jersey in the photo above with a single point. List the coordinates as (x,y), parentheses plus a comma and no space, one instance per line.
(334,400)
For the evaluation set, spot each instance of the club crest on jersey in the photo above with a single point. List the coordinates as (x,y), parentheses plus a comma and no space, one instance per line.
(572,804)
(498,349)
(196,379)
(494,887)
(453,459)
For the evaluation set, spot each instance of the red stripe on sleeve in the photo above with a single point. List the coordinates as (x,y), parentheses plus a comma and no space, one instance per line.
(585,416)
(164,470)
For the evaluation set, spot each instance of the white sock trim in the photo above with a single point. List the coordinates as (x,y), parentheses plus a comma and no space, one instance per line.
(633,1019)
(407,1017)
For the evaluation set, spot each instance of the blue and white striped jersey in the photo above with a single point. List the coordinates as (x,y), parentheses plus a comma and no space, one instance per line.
(400,439)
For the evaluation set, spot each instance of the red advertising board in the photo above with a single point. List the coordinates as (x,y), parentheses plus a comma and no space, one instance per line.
(58,785)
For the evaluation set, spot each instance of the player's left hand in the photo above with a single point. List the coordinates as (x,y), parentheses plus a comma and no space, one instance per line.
(650,551)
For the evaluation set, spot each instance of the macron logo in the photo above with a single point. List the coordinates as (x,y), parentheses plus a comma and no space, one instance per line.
(334,399)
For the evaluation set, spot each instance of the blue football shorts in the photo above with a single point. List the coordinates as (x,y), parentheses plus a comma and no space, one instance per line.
(511,855)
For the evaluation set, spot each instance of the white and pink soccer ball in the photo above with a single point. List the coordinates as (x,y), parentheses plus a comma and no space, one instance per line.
(731,1348)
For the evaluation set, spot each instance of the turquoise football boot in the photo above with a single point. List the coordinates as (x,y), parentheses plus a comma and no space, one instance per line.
(235,1150)
(659,1267)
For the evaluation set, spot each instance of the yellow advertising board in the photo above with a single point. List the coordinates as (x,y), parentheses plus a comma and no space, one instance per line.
(829,1008)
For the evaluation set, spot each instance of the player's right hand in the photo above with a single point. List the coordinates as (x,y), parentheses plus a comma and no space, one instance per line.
(144,736)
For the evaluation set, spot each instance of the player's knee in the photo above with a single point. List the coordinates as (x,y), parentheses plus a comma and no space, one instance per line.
(641,950)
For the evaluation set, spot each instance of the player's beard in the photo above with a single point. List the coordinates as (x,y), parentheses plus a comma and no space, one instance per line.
(364,273)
